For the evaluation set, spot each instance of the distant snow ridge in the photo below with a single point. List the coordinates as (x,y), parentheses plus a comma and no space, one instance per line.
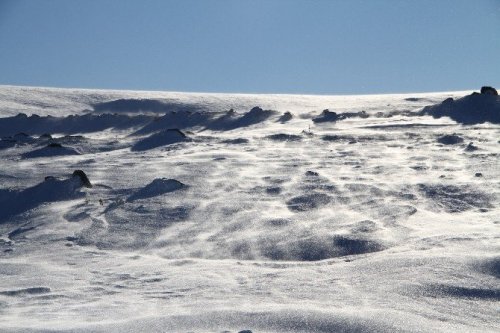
(157,187)
(163,138)
(476,108)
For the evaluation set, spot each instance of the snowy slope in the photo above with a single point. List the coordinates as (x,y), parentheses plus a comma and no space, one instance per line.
(224,213)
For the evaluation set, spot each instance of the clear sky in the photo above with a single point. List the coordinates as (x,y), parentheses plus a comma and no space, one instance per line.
(254,46)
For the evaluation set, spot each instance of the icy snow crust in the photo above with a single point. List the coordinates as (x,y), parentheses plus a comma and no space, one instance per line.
(224,213)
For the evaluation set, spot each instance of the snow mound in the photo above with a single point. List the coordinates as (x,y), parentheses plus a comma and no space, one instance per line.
(476,108)
(157,187)
(50,190)
(53,149)
(163,138)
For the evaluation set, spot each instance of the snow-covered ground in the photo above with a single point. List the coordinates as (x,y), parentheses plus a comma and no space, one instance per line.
(275,216)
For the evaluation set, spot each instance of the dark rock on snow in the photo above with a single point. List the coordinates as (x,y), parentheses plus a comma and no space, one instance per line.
(471,147)
(489,91)
(83,177)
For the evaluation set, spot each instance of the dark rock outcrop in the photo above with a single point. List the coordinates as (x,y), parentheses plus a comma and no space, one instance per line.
(471,147)
(489,91)
(83,178)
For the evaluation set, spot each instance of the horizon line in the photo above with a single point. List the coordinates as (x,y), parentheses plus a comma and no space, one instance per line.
(238,93)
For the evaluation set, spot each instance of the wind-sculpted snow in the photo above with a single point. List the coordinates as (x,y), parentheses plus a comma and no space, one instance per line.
(205,213)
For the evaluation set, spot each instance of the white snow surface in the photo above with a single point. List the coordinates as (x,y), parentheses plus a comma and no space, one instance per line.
(385,220)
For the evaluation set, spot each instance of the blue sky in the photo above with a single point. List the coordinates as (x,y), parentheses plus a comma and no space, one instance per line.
(252,46)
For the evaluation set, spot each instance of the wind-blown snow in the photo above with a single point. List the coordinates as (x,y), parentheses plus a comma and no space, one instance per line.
(265,213)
